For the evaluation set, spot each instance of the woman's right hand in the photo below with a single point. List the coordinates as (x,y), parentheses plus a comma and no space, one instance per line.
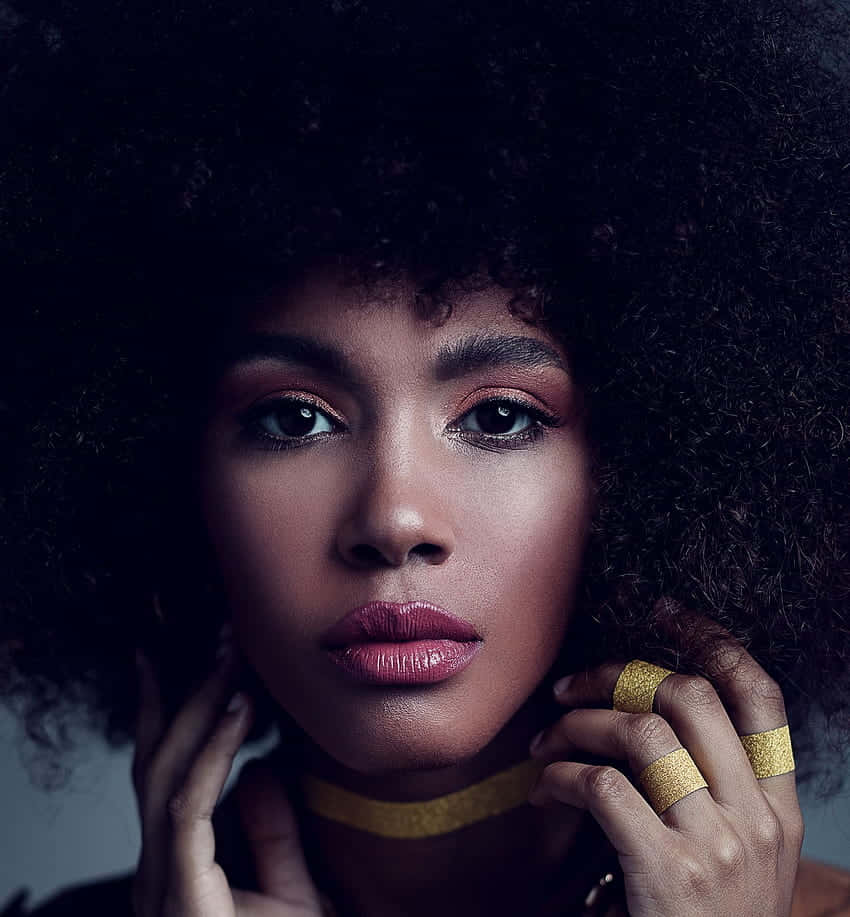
(179,770)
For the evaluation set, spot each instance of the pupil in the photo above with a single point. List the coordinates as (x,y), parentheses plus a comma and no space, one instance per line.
(296,421)
(499,415)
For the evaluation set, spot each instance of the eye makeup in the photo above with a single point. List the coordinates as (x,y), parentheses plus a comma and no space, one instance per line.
(306,413)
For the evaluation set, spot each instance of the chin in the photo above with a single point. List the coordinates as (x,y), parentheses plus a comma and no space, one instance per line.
(402,761)
(405,747)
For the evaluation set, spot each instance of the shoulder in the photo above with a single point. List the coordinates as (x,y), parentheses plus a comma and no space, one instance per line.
(821,891)
(105,898)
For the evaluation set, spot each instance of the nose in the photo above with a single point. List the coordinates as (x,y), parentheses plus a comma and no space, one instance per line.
(398,514)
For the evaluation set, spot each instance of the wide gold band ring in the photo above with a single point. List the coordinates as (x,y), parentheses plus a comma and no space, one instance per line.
(769,752)
(635,689)
(670,778)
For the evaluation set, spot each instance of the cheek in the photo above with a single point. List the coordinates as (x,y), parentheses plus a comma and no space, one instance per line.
(519,528)
(536,516)
(268,530)
(525,535)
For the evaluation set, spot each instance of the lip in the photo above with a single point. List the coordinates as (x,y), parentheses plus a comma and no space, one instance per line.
(395,622)
(391,643)
(415,662)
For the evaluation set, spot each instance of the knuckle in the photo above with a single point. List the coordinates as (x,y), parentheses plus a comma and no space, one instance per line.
(730,854)
(179,808)
(764,691)
(767,832)
(604,783)
(646,730)
(693,692)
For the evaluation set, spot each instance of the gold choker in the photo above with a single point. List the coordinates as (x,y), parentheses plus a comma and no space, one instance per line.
(496,794)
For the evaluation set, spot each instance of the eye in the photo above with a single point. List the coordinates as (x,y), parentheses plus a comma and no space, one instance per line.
(285,421)
(497,418)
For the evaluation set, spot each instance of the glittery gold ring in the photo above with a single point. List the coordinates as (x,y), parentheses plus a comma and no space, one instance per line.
(636,686)
(769,752)
(670,778)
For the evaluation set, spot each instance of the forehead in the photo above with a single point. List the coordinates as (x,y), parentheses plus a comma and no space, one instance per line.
(351,331)
(330,301)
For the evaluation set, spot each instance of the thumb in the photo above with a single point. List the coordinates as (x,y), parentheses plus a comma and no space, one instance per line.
(269,823)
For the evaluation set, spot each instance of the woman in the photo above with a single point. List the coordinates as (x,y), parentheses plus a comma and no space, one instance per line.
(434,355)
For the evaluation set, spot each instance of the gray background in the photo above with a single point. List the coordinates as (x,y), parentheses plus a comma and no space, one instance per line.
(90,829)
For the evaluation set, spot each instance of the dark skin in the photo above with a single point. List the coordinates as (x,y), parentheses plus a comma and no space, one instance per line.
(388,503)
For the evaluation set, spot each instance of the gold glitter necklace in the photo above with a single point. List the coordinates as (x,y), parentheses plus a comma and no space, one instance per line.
(496,794)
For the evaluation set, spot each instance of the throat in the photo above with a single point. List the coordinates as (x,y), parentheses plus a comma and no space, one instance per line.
(527,860)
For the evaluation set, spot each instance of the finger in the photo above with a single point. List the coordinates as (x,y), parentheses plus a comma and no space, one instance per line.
(149,719)
(698,717)
(753,699)
(187,733)
(269,822)
(190,809)
(755,704)
(622,813)
(640,739)
(161,769)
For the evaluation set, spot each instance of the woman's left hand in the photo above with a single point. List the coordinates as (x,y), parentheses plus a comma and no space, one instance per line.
(729,849)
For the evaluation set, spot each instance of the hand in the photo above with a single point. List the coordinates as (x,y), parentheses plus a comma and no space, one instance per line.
(729,849)
(178,774)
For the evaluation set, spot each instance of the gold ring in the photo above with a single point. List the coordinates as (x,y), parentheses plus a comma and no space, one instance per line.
(670,778)
(769,752)
(636,686)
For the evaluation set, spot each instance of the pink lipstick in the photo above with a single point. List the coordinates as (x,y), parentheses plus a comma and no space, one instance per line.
(387,643)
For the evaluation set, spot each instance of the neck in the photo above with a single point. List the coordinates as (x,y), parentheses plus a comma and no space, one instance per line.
(525,860)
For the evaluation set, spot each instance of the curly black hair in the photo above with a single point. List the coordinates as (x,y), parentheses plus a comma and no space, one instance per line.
(663,186)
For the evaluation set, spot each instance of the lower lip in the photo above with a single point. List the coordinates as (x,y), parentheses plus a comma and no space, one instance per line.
(414,662)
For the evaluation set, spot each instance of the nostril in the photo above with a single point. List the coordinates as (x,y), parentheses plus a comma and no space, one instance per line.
(366,554)
(428,549)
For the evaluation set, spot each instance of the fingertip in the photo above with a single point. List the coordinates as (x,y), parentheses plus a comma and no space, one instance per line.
(561,686)
(239,702)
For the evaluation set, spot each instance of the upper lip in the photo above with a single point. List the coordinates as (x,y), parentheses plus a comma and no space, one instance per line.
(396,622)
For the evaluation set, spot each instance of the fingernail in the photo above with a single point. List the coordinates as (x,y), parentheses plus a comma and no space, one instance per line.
(560,686)
(536,742)
(237,702)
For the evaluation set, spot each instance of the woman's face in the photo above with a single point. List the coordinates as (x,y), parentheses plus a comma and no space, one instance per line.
(391,489)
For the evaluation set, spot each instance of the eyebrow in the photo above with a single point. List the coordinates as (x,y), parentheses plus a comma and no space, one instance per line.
(454,359)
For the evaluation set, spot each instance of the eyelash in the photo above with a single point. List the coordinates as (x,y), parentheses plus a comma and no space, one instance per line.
(541,420)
